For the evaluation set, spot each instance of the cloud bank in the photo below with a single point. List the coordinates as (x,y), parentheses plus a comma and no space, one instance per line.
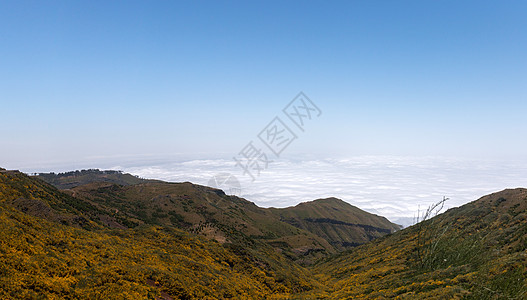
(394,187)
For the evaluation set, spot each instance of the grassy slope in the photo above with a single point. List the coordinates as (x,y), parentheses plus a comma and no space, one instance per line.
(42,258)
(200,210)
(477,251)
(39,257)
(338,222)
(335,224)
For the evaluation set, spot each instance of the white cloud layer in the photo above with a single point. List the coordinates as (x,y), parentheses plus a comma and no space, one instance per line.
(394,187)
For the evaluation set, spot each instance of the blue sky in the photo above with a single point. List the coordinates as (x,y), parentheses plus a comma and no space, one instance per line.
(85,80)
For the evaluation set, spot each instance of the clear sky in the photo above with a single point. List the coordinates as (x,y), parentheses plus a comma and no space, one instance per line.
(85,80)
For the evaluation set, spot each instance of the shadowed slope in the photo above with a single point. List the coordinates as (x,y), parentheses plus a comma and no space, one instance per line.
(341,224)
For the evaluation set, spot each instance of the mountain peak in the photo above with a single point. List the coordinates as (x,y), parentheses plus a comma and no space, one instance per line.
(337,221)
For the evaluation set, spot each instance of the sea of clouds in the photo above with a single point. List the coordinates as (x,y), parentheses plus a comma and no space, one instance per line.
(394,187)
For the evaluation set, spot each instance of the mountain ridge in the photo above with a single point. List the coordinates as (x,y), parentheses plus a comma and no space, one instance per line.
(212,213)
(340,223)
(475,251)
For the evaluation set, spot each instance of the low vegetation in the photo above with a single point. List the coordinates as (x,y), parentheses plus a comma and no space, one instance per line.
(154,240)
(477,251)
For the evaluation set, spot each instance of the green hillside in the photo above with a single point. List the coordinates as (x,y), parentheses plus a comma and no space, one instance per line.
(336,221)
(476,251)
(46,259)
(156,240)
(199,210)
(214,215)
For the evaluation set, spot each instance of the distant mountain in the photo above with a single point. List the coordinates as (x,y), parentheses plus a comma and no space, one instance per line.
(329,225)
(73,179)
(404,221)
(336,221)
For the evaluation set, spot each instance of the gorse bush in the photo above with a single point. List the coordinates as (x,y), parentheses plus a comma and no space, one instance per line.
(57,245)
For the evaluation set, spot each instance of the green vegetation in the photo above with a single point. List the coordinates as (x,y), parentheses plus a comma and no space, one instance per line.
(214,215)
(155,240)
(344,226)
(73,179)
(42,258)
(477,251)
